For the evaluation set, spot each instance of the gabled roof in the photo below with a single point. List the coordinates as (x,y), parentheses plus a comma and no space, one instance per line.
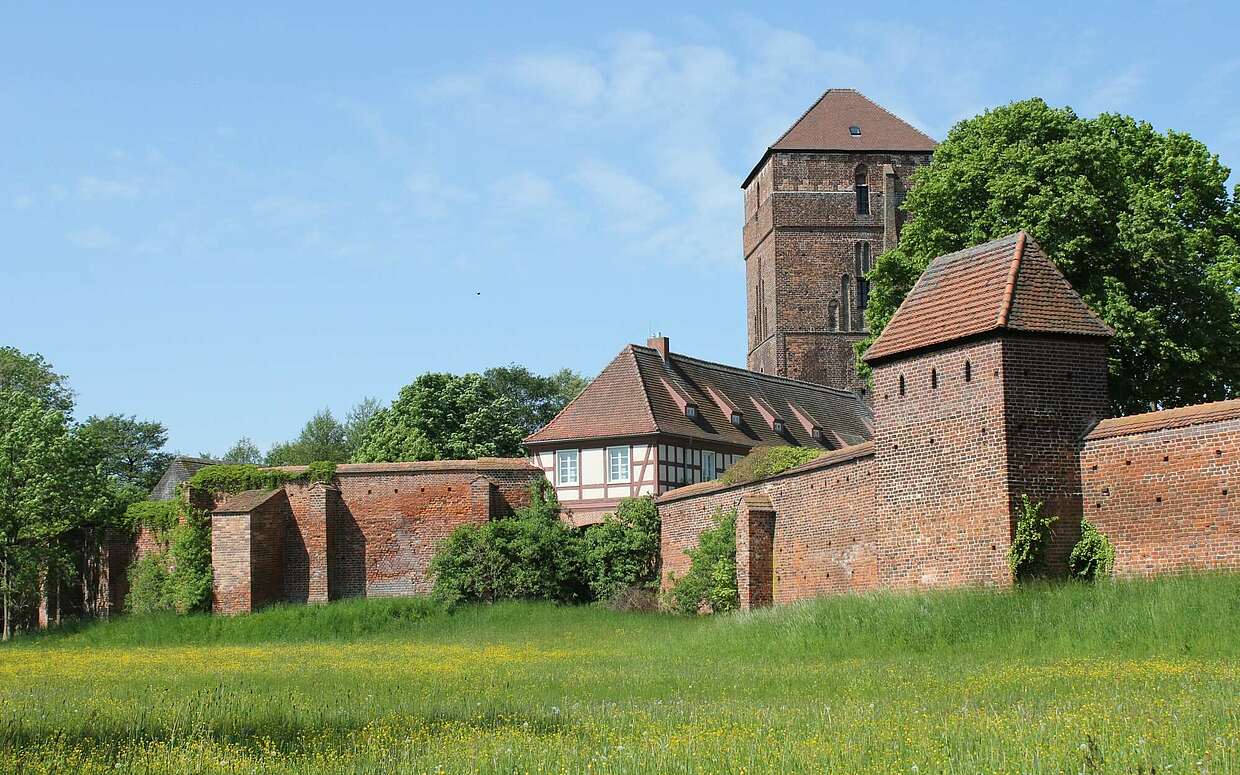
(826,126)
(641,393)
(1008,284)
(179,470)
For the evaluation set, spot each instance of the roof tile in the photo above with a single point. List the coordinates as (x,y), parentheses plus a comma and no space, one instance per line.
(1198,414)
(1007,284)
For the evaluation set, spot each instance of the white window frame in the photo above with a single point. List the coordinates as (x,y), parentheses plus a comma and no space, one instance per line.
(562,455)
(710,470)
(627,474)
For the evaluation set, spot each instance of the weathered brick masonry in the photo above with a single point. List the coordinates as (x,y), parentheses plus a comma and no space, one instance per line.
(1162,487)
(372,531)
(989,385)
(824,531)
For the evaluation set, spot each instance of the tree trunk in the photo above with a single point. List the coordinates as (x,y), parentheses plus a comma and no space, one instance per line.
(6,597)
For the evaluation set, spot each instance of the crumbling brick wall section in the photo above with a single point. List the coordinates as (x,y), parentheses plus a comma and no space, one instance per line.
(374,530)
(824,526)
(1162,487)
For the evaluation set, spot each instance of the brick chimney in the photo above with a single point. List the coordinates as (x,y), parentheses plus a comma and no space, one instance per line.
(660,343)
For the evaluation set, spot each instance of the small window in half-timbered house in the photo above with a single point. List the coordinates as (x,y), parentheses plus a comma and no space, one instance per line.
(566,466)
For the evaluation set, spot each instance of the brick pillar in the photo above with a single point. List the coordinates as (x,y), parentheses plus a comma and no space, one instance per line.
(755,545)
(483,499)
(315,536)
(891,231)
(231,589)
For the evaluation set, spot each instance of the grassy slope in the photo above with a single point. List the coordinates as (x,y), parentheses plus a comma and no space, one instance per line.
(1109,678)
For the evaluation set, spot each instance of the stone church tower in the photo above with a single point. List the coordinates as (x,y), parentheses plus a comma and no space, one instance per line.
(820,206)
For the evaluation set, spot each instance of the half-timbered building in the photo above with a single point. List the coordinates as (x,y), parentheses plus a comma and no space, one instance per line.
(654,420)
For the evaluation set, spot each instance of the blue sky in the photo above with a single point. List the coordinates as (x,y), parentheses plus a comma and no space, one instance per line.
(226,219)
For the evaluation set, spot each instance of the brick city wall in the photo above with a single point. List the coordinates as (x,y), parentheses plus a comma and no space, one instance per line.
(940,453)
(373,531)
(824,524)
(1166,497)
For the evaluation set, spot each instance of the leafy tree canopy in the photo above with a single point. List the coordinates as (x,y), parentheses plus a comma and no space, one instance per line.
(244,451)
(322,438)
(443,416)
(537,399)
(130,450)
(1140,223)
(31,374)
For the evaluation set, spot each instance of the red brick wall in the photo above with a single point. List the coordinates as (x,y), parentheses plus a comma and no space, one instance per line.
(268,524)
(941,466)
(1167,499)
(230,563)
(824,524)
(1055,391)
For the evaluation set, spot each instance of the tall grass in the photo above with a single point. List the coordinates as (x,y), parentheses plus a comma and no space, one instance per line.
(1119,677)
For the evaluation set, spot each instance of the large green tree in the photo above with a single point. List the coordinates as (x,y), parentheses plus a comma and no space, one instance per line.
(1140,222)
(131,450)
(50,485)
(536,398)
(322,438)
(30,373)
(443,416)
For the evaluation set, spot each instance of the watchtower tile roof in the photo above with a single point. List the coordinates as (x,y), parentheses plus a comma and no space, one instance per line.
(1006,284)
(631,397)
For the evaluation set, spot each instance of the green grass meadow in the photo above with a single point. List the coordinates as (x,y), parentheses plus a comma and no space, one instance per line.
(1136,677)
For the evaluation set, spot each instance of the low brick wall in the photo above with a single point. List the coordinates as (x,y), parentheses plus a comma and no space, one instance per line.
(1162,487)
(824,527)
(371,532)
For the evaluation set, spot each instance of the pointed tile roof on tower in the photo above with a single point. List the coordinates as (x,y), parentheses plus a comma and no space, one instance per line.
(1007,284)
(828,126)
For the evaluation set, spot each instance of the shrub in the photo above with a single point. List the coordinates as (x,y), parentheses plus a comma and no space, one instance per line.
(1027,557)
(159,516)
(762,462)
(531,555)
(189,549)
(711,581)
(623,551)
(148,582)
(1093,557)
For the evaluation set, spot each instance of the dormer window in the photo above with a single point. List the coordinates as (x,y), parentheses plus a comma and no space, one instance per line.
(736,419)
(691,411)
(816,434)
(855,131)
(778,427)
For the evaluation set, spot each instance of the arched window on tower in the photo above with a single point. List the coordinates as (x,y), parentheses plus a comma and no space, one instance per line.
(863,266)
(845,302)
(862,187)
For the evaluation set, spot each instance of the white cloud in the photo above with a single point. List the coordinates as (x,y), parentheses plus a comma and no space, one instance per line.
(92,238)
(432,197)
(288,210)
(560,77)
(630,204)
(96,188)
(1115,92)
(524,190)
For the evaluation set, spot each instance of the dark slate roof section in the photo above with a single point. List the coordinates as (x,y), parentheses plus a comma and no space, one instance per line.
(1006,284)
(630,398)
(179,470)
(245,502)
(1166,419)
(827,125)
